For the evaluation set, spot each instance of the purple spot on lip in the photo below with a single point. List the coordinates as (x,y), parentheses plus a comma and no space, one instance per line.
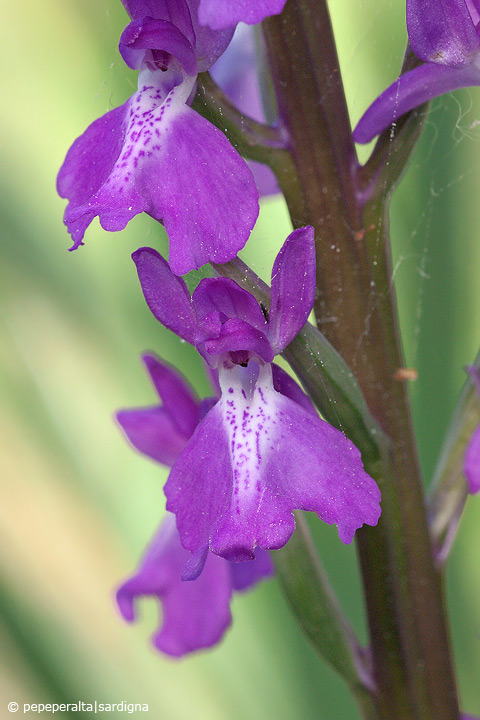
(230,390)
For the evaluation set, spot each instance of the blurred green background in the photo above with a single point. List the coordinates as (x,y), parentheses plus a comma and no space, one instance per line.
(77,504)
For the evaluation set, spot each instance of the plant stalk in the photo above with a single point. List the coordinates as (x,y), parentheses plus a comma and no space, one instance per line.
(356,310)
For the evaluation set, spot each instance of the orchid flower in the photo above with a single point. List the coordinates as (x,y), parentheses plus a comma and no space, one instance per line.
(194,615)
(445,35)
(154,154)
(257,455)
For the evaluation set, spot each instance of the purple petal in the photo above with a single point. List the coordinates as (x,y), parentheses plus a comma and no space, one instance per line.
(211,201)
(209,44)
(247,574)
(195,564)
(236,72)
(148,34)
(175,11)
(225,296)
(318,469)
(239,336)
(255,458)
(195,615)
(88,165)
(156,155)
(474,10)
(265,179)
(178,398)
(206,405)
(293,287)
(441,32)
(220,14)
(471,462)
(286,385)
(166,294)
(152,432)
(199,483)
(411,90)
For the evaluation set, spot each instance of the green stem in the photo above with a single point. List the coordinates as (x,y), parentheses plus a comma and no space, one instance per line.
(312,600)
(357,312)
(394,147)
(255,140)
(252,139)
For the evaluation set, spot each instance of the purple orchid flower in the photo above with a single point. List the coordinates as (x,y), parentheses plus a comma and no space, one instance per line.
(446,36)
(257,455)
(195,615)
(471,461)
(154,154)
(219,14)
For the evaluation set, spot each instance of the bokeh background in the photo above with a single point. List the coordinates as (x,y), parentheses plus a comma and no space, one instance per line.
(77,504)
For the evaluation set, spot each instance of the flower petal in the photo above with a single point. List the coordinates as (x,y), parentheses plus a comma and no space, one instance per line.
(175,11)
(286,385)
(220,14)
(246,574)
(166,294)
(293,287)
(225,296)
(178,398)
(283,459)
(87,167)
(209,44)
(199,483)
(411,90)
(474,9)
(150,34)
(209,198)
(195,615)
(441,32)
(153,433)
(238,336)
(318,469)
(164,159)
(255,458)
